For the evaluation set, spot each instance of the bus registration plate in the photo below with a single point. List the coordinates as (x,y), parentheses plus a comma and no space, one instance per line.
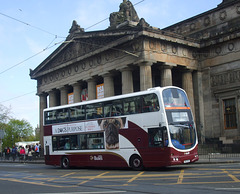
(186,161)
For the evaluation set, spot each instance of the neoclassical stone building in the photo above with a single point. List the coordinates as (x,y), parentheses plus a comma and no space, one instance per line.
(200,55)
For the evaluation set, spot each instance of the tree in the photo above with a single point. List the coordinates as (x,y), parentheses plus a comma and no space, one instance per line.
(17,130)
(4,116)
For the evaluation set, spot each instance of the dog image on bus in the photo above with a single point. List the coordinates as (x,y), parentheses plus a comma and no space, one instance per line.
(111,127)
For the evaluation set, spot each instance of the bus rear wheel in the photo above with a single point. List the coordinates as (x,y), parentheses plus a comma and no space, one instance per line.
(65,162)
(136,162)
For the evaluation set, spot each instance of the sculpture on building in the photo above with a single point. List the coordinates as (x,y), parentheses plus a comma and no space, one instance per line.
(126,13)
(143,23)
(75,28)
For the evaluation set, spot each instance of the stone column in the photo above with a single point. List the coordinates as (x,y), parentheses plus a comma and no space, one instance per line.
(199,105)
(52,98)
(108,85)
(127,80)
(91,89)
(166,75)
(145,75)
(77,90)
(63,95)
(187,83)
(42,106)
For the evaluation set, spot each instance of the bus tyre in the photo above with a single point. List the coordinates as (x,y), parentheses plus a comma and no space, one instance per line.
(136,162)
(65,162)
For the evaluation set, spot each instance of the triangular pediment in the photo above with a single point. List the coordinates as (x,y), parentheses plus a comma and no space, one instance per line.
(78,47)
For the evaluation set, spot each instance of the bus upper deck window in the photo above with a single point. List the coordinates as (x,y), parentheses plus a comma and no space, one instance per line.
(77,113)
(150,103)
(50,117)
(175,98)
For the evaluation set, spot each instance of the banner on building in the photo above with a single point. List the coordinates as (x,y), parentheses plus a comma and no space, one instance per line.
(70,98)
(100,91)
(84,95)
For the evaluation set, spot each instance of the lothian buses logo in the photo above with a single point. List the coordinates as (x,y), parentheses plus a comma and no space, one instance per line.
(98,157)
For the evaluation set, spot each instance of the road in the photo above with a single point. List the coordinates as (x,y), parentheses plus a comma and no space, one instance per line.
(195,178)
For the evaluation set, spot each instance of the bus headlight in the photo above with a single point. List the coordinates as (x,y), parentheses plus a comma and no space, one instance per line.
(175,159)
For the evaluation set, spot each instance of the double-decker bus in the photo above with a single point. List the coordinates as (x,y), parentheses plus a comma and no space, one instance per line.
(150,128)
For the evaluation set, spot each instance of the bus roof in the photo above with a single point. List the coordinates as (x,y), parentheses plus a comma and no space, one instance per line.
(150,90)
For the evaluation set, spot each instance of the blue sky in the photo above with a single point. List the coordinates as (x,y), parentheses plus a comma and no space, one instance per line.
(28,27)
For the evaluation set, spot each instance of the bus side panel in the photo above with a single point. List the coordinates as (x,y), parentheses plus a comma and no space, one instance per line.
(53,160)
(94,159)
(156,157)
(107,159)
(152,157)
(48,130)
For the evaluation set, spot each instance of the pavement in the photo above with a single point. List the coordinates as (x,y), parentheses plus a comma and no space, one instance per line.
(211,158)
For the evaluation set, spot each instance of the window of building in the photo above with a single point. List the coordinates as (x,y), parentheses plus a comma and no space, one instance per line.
(229,108)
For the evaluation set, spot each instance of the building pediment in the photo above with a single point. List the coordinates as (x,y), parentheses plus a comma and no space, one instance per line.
(84,46)
(81,46)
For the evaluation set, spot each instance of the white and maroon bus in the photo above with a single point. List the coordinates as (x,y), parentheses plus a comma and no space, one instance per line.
(150,128)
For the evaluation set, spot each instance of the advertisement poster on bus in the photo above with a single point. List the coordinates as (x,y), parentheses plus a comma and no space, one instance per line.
(111,127)
(91,126)
(68,128)
(76,127)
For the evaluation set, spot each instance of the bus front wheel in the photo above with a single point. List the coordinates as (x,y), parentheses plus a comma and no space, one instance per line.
(136,162)
(65,162)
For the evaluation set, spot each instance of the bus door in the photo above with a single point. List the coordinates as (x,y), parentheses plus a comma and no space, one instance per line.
(47,146)
(158,137)
(157,153)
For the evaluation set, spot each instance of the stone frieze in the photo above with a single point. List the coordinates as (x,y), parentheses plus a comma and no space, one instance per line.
(225,78)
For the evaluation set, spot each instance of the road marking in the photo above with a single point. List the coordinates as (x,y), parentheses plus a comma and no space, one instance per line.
(95,177)
(135,177)
(196,183)
(33,183)
(130,176)
(184,177)
(68,174)
(121,185)
(180,178)
(230,175)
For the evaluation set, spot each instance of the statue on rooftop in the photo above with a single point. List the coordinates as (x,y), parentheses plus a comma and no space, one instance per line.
(75,28)
(126,13)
